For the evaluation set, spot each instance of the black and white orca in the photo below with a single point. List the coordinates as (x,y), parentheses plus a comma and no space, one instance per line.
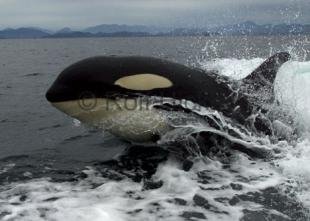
(106,89)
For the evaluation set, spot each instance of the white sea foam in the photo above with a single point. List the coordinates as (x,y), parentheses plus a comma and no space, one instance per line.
(235,68)
(111,200)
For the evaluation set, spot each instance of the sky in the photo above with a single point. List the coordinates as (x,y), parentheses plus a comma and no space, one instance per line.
(79,14)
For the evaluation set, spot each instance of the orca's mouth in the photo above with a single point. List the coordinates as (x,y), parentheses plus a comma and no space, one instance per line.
(60,94)
(52,96)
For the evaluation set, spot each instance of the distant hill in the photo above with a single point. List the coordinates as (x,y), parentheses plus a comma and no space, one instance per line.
(65,30)
(72,34)
(186,32)
(22,33)
(78,34)
(247,28)
(115,28)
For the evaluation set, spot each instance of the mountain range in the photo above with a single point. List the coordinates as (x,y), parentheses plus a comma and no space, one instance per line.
(115,30)
(23,33)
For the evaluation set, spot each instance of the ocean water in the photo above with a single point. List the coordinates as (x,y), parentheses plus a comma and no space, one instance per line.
(54,168)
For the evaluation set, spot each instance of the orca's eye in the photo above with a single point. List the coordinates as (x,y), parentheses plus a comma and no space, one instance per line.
(143,82)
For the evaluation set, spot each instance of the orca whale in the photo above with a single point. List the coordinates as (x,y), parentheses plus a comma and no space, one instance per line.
(107,89)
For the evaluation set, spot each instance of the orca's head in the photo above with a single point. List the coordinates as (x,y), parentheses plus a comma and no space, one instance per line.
(104,77)
(100,78)
(104,87)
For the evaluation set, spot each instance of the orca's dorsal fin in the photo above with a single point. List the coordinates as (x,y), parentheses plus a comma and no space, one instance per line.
(266,73)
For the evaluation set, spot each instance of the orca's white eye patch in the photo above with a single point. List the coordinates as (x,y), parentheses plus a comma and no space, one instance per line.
(143,82)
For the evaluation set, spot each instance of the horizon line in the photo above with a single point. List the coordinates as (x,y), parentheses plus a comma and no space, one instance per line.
(144,25)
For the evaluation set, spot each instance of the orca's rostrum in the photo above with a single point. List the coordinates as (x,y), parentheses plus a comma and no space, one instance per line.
(106,88)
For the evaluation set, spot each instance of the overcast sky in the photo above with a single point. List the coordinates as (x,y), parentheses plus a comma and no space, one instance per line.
(55,14)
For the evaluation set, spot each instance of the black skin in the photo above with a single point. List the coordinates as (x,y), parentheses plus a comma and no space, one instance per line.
(97,75)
